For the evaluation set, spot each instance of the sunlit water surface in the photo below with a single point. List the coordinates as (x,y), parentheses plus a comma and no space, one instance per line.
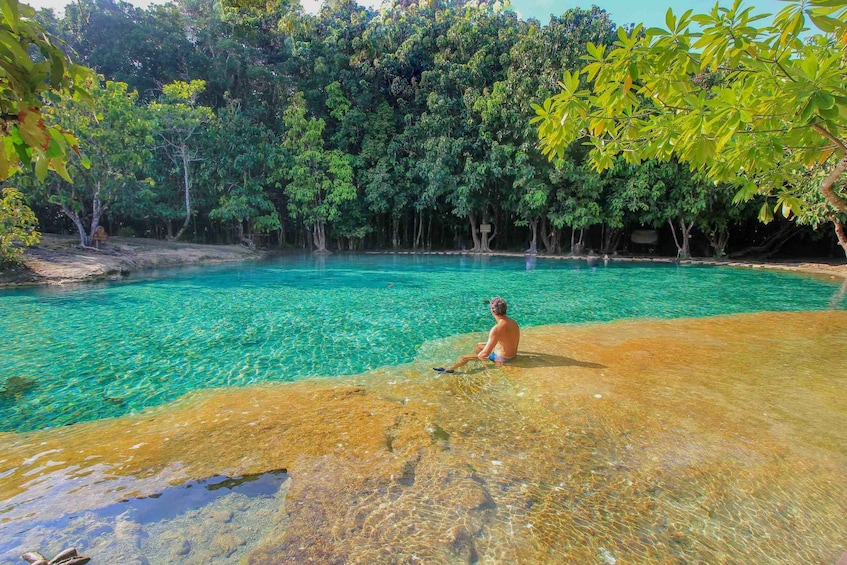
(92,352)
(695,440)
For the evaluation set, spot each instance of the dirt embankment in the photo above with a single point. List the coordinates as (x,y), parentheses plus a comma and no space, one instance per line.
(60,260)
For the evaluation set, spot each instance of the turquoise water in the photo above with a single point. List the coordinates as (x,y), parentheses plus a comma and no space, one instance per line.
(92,352)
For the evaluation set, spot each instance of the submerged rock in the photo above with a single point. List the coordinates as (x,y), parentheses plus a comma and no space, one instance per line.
(15,385)
(68,556)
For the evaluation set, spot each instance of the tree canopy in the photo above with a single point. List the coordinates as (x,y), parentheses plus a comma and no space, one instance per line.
(756,103)
(409,126)
(33,70)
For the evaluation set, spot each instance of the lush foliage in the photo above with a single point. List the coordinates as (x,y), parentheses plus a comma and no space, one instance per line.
(760,105)
(353,129)
(32,68)
(17,226)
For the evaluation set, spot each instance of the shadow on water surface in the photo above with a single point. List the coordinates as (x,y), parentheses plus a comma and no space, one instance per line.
(548,360)
(167,517)
(192,495)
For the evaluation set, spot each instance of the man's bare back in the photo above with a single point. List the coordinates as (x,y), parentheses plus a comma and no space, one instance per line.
(502,344)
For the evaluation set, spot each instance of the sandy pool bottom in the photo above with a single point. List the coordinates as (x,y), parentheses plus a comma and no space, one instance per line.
(713,440)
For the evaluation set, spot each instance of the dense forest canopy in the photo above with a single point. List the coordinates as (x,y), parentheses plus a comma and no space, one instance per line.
(407,127)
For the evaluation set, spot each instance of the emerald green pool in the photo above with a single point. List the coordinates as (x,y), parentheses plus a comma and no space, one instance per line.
(91,352)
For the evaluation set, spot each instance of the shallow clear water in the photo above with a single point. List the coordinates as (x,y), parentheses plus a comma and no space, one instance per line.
(93,352)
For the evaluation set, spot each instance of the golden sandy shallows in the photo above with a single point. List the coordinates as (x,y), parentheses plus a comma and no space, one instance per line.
(719,440)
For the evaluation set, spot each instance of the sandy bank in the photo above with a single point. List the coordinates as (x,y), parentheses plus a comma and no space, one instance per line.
(59,259)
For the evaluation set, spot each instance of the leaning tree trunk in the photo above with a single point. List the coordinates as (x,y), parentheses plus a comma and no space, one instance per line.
(74,217)
(840,234)
(773,244)
(838,202)
(186,160)
(242,238)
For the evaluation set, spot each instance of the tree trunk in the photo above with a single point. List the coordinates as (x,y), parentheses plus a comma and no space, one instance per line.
(96,211)
(395,232)
(718,240)
(839,233)
(549,239)
(772,245)
(683,248)
(474,233)
(242,238)
(581,243)
(319,237)
(186,161)
(533,243)
(611,239)
(407,237)
(419,230)
(834,199)
(83,237)
(486,237)
(826,189)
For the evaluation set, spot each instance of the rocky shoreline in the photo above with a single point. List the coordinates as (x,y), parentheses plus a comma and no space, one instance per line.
(59,260)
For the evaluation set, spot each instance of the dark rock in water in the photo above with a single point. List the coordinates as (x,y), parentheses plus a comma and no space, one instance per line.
(68,556)
(15,385)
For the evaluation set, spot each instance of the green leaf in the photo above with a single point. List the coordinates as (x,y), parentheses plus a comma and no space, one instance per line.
(656,32)
(41,167)
(808,110)
(827,3)
(765,214)
(19,56)
(745,193)
(10,13)
(54,150)
(59,167)
(824,100)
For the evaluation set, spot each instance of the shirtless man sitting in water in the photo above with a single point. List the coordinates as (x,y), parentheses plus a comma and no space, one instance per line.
(502,344)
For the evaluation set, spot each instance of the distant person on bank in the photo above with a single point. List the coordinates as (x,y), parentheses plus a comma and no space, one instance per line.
(502,344)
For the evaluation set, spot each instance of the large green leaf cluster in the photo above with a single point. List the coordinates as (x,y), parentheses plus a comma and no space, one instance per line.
(756,103)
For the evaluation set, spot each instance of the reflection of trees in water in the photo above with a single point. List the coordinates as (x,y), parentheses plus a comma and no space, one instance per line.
(838,297)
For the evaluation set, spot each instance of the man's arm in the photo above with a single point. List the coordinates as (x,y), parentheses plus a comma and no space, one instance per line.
(493,338)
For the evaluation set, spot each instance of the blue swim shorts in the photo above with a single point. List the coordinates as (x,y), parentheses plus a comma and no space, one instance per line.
(499,358)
